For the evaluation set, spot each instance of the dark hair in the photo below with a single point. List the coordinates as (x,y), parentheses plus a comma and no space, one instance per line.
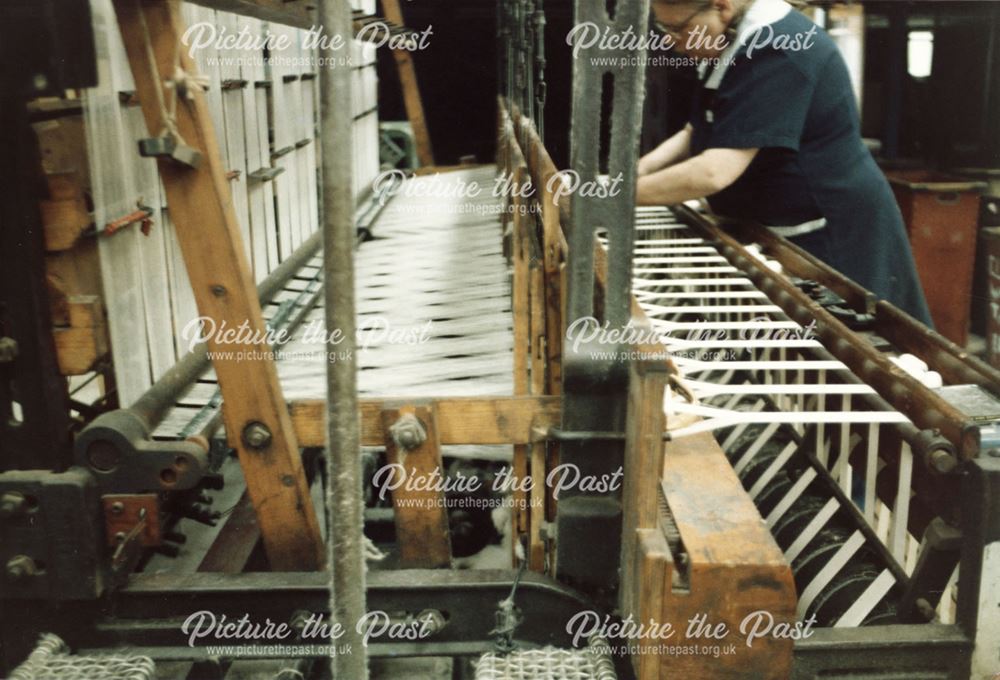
(796,4)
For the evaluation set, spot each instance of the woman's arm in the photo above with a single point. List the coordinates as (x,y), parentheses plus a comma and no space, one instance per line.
(674,150)
(707,173)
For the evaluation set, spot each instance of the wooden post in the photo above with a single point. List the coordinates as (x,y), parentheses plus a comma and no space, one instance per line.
(651,572)
(520,516)
(536,512)
(201,207)
(411,91)
(553,248)
(421,516)
(645,423)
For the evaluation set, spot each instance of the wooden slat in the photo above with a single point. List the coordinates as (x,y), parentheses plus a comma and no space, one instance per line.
(521,313)
(644,426)
(64,221)
(553,250)
(78,349)
(460,420)
(298,13)
(151,249)
(420,514)
(411,91)
(536,511)
(652,572)
(520,292)
(201,209)
(80,345)
(232,548)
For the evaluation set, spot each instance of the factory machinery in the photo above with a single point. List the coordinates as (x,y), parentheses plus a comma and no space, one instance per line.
(778,475)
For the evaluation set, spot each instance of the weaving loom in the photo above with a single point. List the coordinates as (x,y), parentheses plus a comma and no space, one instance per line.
(265,112)
(851,489)
(438,323)
(787,446)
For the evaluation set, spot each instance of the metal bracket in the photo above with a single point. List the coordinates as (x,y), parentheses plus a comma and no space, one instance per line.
(938,556)
(835,304)
(51,542)
(168,146)
(595,387)
(117,449)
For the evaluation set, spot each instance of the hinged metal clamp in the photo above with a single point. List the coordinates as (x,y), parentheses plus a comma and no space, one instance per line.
(168,146)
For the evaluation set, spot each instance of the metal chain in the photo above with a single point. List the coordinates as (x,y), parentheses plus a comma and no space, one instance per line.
(538,23)
(527,103)
(509,615)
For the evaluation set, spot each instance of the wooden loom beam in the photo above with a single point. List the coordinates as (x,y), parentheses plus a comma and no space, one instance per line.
(297,13)
(459,420)
(521,320)
(411,91)
(209,236)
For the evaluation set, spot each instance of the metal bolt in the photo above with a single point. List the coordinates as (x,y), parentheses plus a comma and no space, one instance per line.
(299,620)
(117,508)
(103,455)
(942,461)
(21,566)
(408,432)
(925,609)
(432,621)
(256,435)
(12,504)
(218,290)
(8,350)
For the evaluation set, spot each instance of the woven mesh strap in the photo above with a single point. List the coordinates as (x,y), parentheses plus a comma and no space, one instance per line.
(590,663)
(51,660)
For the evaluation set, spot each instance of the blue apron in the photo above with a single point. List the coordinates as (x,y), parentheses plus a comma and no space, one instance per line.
(798,108)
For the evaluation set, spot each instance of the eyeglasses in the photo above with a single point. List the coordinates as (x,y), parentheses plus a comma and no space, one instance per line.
(677,29)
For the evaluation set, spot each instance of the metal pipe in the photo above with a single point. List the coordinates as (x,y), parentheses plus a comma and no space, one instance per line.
(158,399)
(344,502)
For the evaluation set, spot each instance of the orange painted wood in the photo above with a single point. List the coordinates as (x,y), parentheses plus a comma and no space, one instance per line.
(942,221)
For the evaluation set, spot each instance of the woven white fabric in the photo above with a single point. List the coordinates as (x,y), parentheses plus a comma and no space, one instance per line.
(549,663)
(51,660)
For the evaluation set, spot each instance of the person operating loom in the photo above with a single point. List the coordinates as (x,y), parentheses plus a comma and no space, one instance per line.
(774,137)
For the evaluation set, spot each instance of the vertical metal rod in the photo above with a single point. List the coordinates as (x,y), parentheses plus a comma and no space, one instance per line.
(345,507)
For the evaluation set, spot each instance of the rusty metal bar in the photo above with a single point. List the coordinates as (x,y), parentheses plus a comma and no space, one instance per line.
(954,364)
(804,265)
(345,504)
(924,407)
